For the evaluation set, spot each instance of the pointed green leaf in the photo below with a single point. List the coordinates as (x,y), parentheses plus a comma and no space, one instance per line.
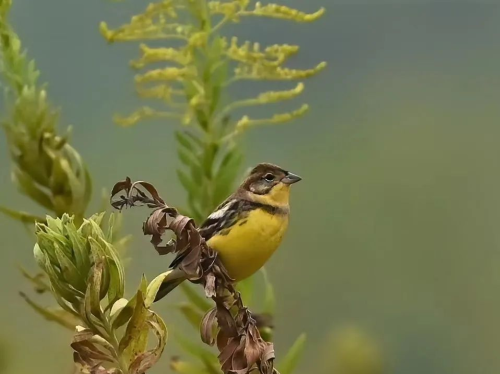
(208,158)
(116,283)
(192,348)
(184,141)
(117,306)
(38,281)
(93,295)
(187,158)
(69,270)
(40,257)
(154,286)
(23,217)
(246,288)
(193,316)
(135,339)
(186,182)
(29,188)
(59,316)
(269,298)
(80,250)
(121,315)
(59,285)
(143,362)
(288,364)
(226,174)
(201,302)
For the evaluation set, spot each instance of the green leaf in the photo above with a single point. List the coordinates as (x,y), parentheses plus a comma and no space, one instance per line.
(135,339)
(80,250)
(117,307)
(198,300)
(187,158)
(185,142)
(193,316)
(122,314)
(30,188)
(154,286)
(145,361)
(269,298)
(186,182)
(117,273)
(37,280)
(246,289)
(23,217)
(59,285)
(288,364)
(193,349)
(100,255)
(69,270)
(93,294)
(116,283)
(59,316)
(227,173)
(194,138)
(40,257)
(208,158)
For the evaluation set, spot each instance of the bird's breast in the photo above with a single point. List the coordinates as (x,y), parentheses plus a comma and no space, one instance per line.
(246,247)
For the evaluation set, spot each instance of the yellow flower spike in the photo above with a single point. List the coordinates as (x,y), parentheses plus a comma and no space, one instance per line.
(165,74)
(227,9)
(181,56)
(198,40)
(245,122)
(163,92)
(142,114)
(261,72)
(251,54)
(264,98)
(154,23)
(282,12)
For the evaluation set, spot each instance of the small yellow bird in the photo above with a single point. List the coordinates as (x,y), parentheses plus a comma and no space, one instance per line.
(248,227)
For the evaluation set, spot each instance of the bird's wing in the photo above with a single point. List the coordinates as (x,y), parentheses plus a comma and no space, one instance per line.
(222,218)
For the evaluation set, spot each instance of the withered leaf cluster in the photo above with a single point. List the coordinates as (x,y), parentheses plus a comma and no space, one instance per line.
(229,325)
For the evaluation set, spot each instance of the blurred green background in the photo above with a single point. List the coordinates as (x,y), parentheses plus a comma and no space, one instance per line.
(395,226)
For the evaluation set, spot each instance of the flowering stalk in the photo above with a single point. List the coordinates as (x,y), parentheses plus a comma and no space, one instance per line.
(45,166)
(200,65)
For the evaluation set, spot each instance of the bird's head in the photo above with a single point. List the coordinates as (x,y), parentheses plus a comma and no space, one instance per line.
(269,184)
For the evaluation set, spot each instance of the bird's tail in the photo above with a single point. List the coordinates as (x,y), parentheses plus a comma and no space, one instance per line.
(170,283)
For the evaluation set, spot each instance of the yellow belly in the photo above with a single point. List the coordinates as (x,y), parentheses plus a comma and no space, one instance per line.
(248,246)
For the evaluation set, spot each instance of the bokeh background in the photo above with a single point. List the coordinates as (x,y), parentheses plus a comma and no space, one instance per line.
(395,227)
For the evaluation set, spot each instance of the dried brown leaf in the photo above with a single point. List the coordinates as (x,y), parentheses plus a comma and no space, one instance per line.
(146,360)
(206,328)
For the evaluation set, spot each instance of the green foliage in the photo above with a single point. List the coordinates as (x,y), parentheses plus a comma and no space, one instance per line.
(86,278)
(200,65)
(45,167)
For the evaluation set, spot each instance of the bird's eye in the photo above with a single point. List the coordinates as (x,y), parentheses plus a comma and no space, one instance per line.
(269,177)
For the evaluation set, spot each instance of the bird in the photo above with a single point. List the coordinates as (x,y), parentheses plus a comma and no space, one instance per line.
(246,228)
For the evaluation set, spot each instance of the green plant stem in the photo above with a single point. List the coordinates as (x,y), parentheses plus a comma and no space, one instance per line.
(113,340)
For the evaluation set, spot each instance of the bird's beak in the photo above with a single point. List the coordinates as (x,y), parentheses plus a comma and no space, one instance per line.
(291,178)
